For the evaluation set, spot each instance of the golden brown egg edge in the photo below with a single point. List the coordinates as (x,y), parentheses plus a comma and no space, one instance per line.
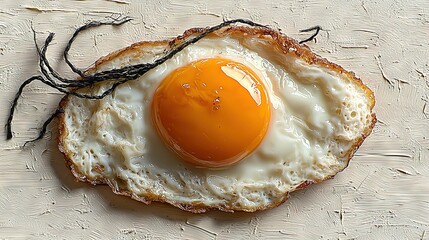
(282,42)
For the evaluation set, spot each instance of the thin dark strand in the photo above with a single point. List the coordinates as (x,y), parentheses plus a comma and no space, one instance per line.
(42,52)
(118,76)
(44,59)
(317,28)
(48,81)
(45,126)
(8,126)
(15,102)
(135,71)
(68,92)
(115,22)
(43,64)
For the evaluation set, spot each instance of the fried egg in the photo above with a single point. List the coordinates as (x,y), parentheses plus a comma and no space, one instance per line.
(235,121)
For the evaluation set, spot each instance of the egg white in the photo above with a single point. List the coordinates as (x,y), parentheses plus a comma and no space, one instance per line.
(315,118)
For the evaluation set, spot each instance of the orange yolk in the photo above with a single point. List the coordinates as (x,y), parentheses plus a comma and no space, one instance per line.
(212,112)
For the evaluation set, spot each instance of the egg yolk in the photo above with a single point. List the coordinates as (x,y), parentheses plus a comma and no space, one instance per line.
(212,112)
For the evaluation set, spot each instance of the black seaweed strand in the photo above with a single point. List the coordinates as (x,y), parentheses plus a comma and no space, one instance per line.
(317,28)
(135,71)
(15,102)
(115,22)
(45,126)
(42,55)
(118,76)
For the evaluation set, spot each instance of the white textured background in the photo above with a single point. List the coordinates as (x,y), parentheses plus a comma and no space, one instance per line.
(383,194)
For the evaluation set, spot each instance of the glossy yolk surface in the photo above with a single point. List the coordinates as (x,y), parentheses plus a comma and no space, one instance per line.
(212,112)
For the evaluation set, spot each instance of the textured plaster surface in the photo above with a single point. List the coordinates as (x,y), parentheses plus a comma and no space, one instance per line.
(383,194)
